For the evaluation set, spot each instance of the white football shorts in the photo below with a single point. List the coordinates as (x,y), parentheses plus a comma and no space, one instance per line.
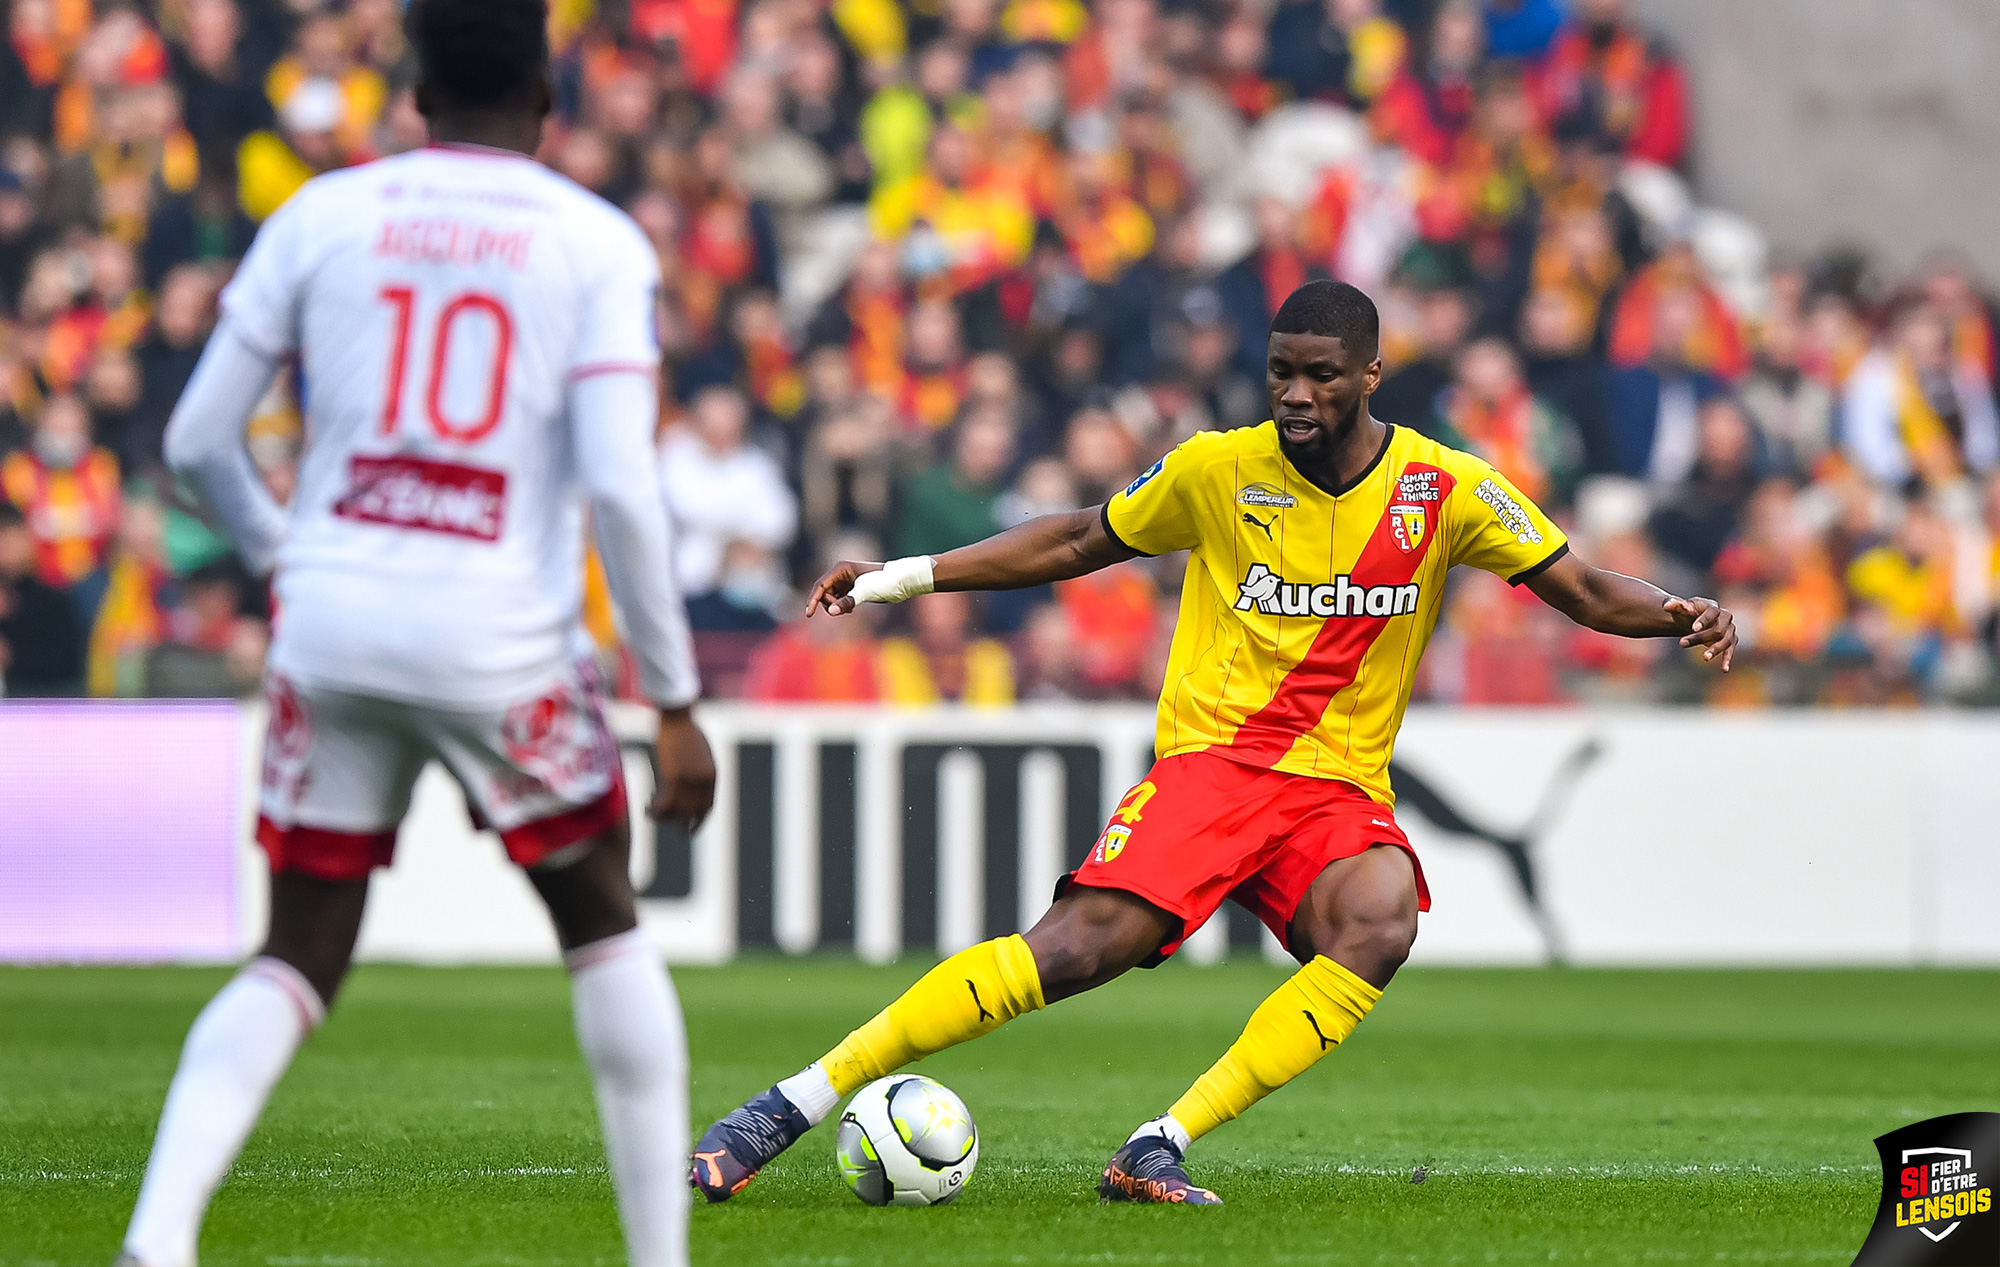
(338,769)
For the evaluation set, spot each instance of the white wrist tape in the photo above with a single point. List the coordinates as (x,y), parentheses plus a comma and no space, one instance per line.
(899,579)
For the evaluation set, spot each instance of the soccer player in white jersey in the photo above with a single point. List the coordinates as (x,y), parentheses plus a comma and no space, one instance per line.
(476,341)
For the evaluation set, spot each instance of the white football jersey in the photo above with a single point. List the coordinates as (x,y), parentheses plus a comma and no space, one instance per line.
(439,304)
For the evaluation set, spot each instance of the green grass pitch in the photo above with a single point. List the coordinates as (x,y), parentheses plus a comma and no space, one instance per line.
(443,1117)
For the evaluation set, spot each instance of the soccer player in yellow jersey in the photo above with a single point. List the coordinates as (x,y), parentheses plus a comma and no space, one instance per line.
(1320,542)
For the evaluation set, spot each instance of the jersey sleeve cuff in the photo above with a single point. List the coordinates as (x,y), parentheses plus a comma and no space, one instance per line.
(1112,533)
(591,369)
(1535,571)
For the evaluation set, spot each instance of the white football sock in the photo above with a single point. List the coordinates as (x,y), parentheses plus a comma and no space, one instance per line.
(1165,1124)
(628,1024)
(235,1053)
(811,1093)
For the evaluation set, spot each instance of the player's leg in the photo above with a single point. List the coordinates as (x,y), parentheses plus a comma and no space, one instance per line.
(335,760)
(1176,844)
(546,776)
(1351,931)
(1088,937)
(628,1024)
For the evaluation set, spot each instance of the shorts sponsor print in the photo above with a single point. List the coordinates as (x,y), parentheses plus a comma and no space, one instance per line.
(1203,827)
(339,767)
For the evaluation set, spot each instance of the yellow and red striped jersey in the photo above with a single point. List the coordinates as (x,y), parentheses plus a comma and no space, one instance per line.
(1304,612)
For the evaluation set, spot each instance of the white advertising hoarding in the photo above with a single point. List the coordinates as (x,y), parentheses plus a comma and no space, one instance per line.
(1649,837)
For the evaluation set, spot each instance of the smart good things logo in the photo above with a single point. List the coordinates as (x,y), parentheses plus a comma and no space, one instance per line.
(1937,1195)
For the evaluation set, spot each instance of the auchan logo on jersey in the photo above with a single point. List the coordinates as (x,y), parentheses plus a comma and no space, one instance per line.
(1275,596)
(406,492)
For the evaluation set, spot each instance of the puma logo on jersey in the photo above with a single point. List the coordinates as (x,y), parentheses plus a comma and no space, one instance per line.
(1249,518)
(1274,596)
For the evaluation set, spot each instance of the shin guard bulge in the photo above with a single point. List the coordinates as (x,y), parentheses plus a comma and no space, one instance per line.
(974,992)
(1301,1021)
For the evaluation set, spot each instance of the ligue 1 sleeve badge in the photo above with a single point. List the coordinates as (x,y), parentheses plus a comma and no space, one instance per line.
(1937,1195)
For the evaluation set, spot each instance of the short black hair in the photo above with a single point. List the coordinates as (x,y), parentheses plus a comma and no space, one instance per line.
(1332,309)
(480,54)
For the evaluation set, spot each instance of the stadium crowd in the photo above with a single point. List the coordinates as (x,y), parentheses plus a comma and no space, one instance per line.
(934,266)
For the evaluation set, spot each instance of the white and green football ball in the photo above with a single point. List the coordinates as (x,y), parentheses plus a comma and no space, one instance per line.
(906,1140)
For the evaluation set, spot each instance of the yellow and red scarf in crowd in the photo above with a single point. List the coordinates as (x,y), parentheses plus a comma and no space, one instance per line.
(1502,432)
(73,513)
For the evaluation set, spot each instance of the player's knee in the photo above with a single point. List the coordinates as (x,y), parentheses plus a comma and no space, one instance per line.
(1072,956)
(1066,962)
(1389,941)
(1371,945)
(1091,936)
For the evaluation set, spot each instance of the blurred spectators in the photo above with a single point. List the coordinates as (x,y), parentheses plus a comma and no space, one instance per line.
(819,661)
(930,270)
(1488,410)
(1409,393)
(41,638)
(1699,515)
(941,662)
(210,647)
(1605,69)
(271,164)
(67,487)
(721,489)
(1915,409)
(182,318)
(952,504)
(750,595)
(1792,409)
(1653,405)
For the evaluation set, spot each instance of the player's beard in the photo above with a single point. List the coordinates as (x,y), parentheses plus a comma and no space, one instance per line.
(1317,453)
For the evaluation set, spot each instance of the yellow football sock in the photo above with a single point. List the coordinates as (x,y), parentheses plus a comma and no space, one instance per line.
(974,992)
(1303,1019)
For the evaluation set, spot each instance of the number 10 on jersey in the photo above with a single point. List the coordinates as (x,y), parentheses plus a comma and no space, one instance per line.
(466,305)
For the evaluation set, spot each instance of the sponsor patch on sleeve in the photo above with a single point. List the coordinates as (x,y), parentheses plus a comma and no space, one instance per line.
(1145,477)
(1509,512)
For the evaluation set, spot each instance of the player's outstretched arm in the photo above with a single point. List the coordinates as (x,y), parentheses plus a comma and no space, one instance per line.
(1613,603)
(1044,549)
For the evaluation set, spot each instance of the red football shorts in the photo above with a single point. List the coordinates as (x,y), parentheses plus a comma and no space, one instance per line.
(1202,827)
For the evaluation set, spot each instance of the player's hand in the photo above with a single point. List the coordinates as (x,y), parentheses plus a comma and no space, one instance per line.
(831,591)
(1709,626)
(686,788)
